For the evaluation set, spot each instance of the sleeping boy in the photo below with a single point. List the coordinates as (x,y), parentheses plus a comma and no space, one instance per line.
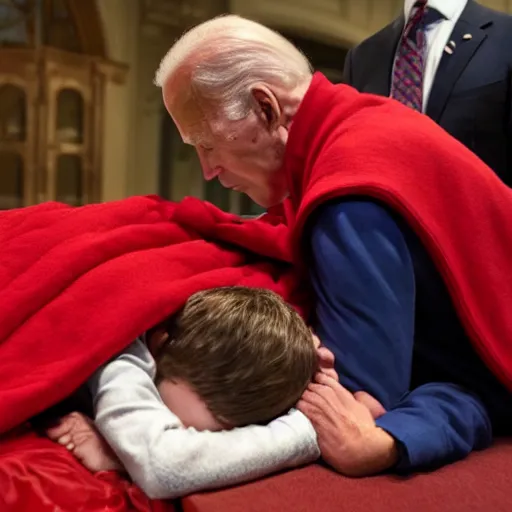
(209,409)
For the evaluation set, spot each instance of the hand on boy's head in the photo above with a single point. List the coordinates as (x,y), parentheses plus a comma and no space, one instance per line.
(325,359)
(373,405)
(375,408)
(348,437)
(326,366)
(326,362)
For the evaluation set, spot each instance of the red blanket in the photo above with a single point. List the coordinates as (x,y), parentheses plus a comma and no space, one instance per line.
(371,146)
(79,284)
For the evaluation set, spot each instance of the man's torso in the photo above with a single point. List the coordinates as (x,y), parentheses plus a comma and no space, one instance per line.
(470,95)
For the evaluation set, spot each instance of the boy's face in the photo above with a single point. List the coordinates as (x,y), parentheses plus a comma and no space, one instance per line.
(184,402)
(179,397)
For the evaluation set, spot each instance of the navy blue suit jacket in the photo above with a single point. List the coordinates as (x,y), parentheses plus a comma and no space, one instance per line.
(471,97)
(384,311)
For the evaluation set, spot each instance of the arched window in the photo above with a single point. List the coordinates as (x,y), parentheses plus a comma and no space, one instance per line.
(69,180)
(53,70)
(12,113)
(70,116)
(11,180)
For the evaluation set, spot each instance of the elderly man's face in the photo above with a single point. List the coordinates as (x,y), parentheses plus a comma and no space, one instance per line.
(246,156)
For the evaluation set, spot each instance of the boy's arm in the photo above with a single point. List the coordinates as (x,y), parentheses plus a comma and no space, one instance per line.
(167,460)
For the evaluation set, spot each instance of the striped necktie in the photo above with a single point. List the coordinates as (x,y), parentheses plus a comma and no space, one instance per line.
(407,82)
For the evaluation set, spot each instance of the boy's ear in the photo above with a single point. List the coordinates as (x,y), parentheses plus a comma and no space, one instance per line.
(156,338)
(226,425)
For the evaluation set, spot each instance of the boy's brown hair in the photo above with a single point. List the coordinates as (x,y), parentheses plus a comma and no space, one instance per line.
(244,351)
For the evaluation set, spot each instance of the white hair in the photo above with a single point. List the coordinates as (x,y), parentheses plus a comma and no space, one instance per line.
(230,56)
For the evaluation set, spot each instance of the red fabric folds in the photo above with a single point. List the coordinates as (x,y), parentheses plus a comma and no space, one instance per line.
(78,285)
(365,145)
(37,475)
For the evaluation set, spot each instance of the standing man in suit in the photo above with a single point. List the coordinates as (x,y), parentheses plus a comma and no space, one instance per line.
(452,60)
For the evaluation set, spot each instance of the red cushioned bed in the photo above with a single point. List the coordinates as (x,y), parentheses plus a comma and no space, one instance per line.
(483,482)
(37,475)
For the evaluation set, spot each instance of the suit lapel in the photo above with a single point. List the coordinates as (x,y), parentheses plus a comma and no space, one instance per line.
(452,66)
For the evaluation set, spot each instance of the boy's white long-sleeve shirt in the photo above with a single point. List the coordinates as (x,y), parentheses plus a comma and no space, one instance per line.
(167,460)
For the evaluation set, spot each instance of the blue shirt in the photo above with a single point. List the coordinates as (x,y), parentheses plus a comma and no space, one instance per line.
(384,312)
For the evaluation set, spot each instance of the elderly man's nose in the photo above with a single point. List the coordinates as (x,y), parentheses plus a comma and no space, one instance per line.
(209,173)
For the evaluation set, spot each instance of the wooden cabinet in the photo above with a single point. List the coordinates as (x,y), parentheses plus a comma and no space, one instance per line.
(52,81)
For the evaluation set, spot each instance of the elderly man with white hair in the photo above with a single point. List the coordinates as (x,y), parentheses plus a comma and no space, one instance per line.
(407,251)
(405,248)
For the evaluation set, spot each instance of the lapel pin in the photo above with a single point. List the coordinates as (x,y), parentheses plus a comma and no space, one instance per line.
(467,37)
(448,50)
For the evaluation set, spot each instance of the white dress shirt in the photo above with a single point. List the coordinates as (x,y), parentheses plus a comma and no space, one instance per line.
(438,36)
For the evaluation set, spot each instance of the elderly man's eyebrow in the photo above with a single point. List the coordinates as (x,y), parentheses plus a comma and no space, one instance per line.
(193,141)
(197,140)
(192,138)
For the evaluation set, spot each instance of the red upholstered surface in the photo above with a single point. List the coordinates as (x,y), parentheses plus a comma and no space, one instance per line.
(482,482)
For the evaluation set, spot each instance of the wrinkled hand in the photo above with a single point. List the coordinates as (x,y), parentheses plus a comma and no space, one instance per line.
(325,359)
(348,437)
(326,366)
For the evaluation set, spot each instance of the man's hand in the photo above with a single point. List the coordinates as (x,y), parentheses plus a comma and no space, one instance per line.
(325,359)
(326,366)
(347,434)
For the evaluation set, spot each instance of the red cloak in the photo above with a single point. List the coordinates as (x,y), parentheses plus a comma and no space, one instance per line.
(345,143)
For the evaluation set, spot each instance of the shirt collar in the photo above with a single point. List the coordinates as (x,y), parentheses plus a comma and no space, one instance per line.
(450,9)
